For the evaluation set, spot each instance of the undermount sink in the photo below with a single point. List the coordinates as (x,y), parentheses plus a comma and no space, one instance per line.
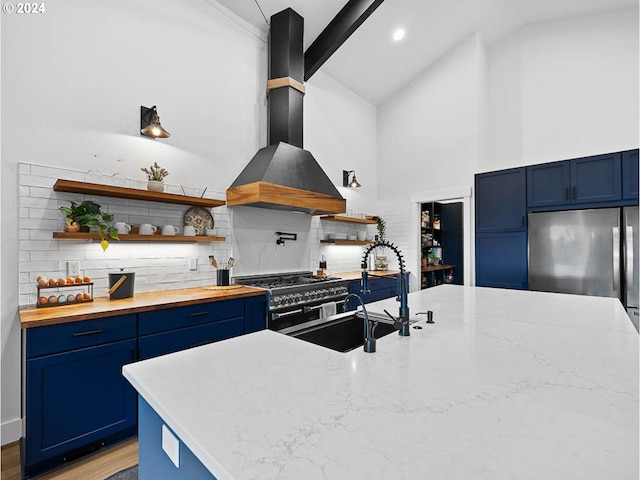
(341,333)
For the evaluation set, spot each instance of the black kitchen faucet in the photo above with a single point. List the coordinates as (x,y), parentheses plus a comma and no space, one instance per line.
(401,323)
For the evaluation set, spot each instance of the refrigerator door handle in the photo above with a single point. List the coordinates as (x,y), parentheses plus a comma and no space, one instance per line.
(629,251)
(616,259)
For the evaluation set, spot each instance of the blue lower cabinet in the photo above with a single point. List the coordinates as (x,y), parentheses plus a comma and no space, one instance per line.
(501,260)
(255,314)
(76,398)
(76,402)
(167,319)
(180,339)
(154,463)
(380,288)
(173,329)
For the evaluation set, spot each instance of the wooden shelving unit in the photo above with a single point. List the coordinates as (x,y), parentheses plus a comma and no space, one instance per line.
(139,238)
(347,242)
(73,186)
(339,218)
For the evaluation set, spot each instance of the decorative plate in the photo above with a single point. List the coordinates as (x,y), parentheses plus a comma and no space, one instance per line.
(199,218)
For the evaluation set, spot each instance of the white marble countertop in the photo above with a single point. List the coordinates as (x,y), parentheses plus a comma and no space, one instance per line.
(505,385)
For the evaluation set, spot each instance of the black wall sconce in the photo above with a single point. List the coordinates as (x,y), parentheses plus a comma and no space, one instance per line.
(345,179)
(150,123)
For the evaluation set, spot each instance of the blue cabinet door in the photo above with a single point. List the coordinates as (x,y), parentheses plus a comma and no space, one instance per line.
(380,288)
(596,179)
(630,175)
(156,344)
(255,314)
(76,400)
(167,319)
(501,260)
(501,200)
(549,184)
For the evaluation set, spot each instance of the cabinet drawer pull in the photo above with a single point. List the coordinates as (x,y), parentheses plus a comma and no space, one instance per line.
(198,314)
(90,332)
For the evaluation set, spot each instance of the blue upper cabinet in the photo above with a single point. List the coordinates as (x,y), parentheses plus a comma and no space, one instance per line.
(501,201)
(582,181)
(549,184)
(596,179)
(630,175)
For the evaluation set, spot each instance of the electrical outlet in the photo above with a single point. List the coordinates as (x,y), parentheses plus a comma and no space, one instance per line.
(193,264)
(73,269)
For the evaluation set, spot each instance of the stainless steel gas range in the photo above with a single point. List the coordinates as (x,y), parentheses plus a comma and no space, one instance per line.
(297,297)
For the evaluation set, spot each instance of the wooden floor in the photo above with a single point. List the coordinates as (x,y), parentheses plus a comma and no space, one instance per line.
(96,466)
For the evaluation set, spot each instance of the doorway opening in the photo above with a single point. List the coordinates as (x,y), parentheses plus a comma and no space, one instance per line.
(441,243)
(456,231)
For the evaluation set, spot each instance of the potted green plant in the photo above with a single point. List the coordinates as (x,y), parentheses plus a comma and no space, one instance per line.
(381,225)
(155,176)
(86,215)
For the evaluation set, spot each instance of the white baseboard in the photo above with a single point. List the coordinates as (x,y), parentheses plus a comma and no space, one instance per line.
(11,431)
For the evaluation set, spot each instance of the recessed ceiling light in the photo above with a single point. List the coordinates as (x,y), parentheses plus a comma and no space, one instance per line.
(398,34)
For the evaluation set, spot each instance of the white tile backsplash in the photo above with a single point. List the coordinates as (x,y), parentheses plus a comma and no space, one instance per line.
(250,238)
(158,265)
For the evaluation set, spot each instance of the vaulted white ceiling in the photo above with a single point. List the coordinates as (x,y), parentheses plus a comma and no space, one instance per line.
(374,66)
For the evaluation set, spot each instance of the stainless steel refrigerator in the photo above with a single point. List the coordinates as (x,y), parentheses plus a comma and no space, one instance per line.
(587,252)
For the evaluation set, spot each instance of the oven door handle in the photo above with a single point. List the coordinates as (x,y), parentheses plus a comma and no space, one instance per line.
(319,307)
(297,311)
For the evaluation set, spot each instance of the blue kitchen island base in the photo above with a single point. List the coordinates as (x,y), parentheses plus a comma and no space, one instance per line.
(154,461)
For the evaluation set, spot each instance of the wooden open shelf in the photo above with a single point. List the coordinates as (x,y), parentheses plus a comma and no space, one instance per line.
(347,242)
(340,218)
(128,237)
(436,268)
(73,186)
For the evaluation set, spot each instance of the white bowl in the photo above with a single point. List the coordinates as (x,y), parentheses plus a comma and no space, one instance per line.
(338,236)
(352,237)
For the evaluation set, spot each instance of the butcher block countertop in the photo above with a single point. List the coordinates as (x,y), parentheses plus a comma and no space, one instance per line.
(357,275)
(141,302)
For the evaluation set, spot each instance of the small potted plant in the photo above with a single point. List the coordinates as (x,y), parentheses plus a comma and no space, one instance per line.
(155,175)
(381,225)
(85,215)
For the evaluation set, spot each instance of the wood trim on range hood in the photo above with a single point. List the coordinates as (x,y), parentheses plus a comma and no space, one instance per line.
(283,175)
(268,195)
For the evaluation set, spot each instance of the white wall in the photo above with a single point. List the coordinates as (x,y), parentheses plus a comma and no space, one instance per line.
(564,89)
(431,135)
(428,132)
(341,131)
(549,91)
(73,82)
